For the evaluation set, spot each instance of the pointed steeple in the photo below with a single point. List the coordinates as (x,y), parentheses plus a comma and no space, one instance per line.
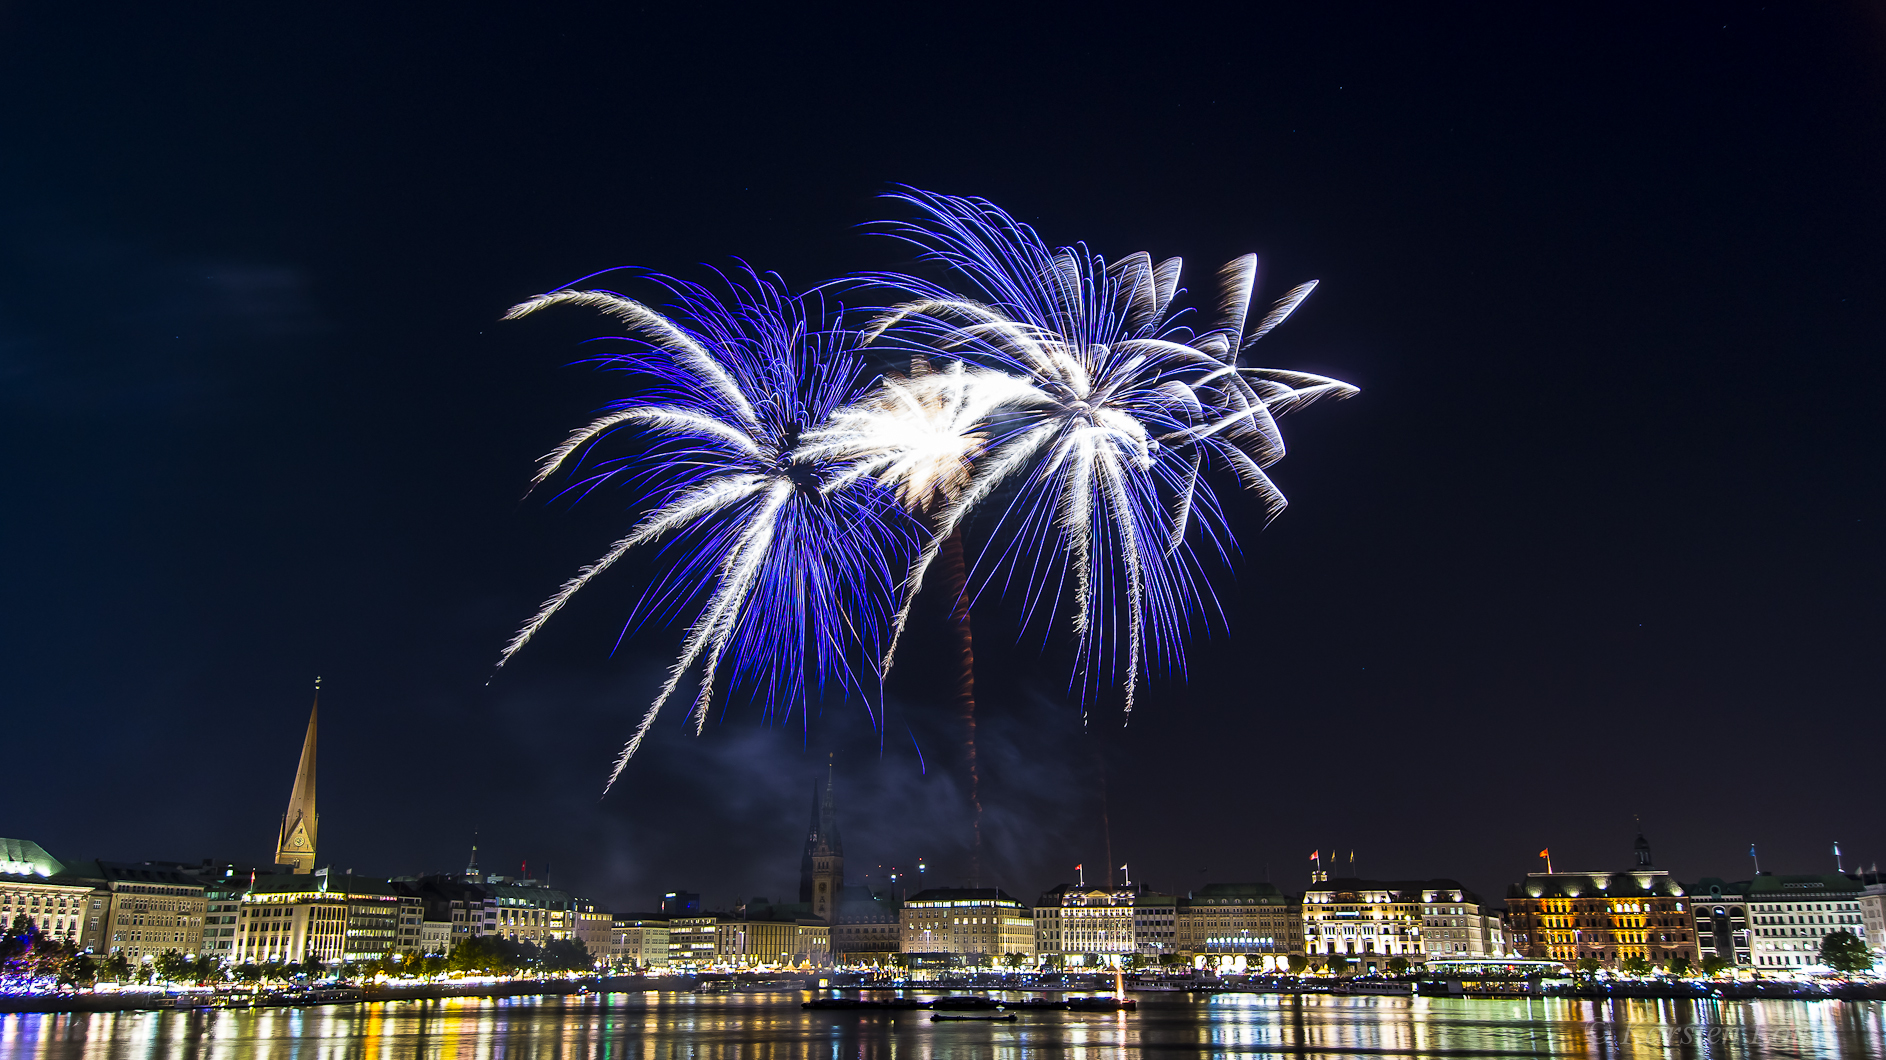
(827,854)
(296,844)
(828,815)
(811,844)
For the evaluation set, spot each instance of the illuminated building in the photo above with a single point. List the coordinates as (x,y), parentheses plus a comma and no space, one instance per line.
(1372,921)
(1790,915)
(752,939)
(33,885)
(822,866)
(692,941)
(1603,916)
(223,898)
(974,924)
(865,930)
(1155,924)
(1720,912)
(295,844)
(455,908)
(1873,910)
(331,917)
(639,941)
(528,911)
(1254,925)
(1085,927)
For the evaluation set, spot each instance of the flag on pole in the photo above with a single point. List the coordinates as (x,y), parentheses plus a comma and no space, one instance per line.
(1316,855)
(1547,855)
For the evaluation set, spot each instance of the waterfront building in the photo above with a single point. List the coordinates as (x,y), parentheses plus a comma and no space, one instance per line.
(222,904)
(35,885)
(1603,916)
(1790,915)
(467,910)
(593,926)
(328,916)
(1372,922)
(692,941)
(1873,910)
(639,941)
(435,937)
(528,911)
(1250,925)
(752,938)
(1719,911)
(145,909)
(822,865)
(865,929)
(973,924)
(1155,925)
(1076,926)
(295,843)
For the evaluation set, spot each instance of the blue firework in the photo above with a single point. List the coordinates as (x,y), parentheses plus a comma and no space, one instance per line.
(1101,459)
(788,558)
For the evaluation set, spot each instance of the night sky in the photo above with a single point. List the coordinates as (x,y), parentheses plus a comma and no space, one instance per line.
(1601,536)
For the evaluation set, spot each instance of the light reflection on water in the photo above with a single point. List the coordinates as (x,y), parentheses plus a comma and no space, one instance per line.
(773,1027)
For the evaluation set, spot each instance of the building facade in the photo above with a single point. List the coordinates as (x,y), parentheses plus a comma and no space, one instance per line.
(34,886)
(1239,925)
(329,917)
(640,942)
(865,930)
(223,903)
(1719,911)
(1873,911)
(1075,926)
(1372,922)
(1155,926)
(977,925)
(146,910)
(1603,916)
(1790,915)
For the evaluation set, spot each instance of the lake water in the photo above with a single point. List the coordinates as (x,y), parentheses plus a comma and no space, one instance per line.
(773,1026)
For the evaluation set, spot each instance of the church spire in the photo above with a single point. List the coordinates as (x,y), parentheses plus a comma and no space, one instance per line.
(295,846)
(828,853)
(828,814)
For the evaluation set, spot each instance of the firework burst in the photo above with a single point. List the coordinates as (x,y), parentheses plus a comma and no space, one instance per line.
(1119,411)
(786,553)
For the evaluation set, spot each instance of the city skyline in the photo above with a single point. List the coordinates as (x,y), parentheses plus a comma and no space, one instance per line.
(1598,537)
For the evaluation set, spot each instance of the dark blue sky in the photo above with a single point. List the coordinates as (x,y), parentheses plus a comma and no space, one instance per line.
(1601,537)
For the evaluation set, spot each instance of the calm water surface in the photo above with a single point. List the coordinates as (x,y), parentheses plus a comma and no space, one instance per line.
(774,1026)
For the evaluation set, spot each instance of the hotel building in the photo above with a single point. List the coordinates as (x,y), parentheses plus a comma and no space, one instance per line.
(977,923)
(1250,925)
(1603,916)
(1790,915)
(1082,927)
(1374,921)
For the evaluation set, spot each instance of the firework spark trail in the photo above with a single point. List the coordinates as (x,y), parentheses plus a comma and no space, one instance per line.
(921,435)
(797,555)
(1128,405)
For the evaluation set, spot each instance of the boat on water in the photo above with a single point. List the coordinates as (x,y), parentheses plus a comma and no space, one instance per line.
(1101,1003)
(1372,987)
(965,1001)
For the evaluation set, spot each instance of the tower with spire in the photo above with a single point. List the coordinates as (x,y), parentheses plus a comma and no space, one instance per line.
(294,847)
(822,866)
(1641,849)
